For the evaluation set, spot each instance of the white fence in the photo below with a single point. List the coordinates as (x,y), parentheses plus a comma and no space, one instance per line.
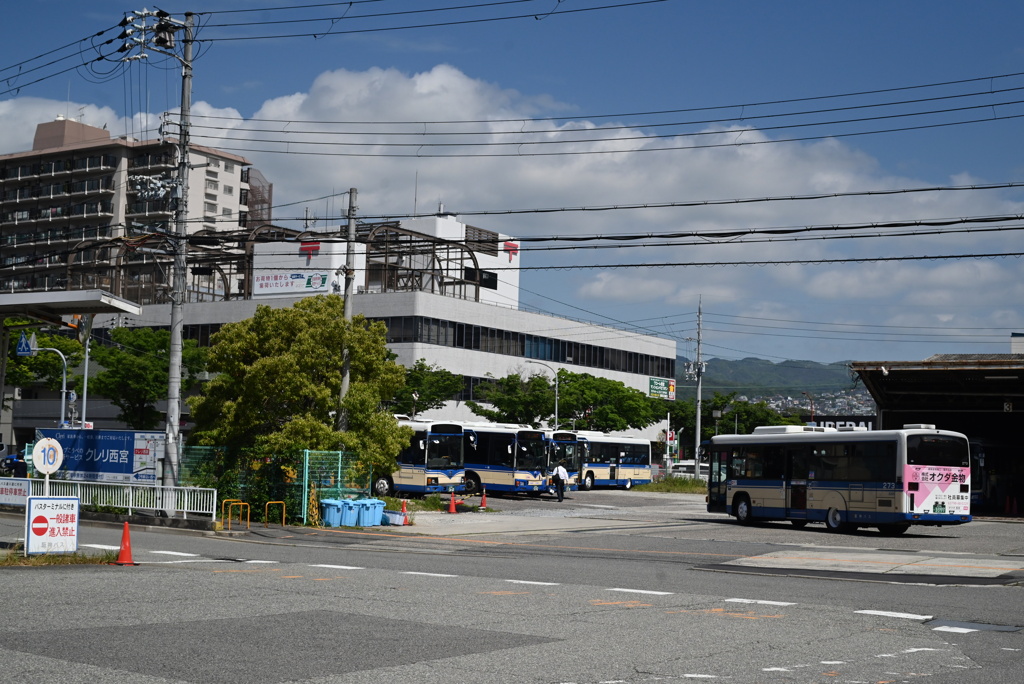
(184,500)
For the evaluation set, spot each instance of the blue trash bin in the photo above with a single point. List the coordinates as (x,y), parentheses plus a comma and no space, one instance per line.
(370,512)
(348,513)
(330,512)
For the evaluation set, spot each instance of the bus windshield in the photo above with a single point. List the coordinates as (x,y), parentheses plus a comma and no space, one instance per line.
(531,450)
(444,451)
(938,450)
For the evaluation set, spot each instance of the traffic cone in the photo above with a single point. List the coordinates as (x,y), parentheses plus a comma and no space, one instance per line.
(124,557)
(451,503)
(483,498)
(405,514)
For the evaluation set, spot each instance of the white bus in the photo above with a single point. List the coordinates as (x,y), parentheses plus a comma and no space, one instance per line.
(845,478)
(608,461)
(433,462)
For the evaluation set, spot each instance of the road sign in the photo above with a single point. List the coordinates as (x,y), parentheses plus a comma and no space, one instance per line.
(24,346)
(51,524)
(47,456)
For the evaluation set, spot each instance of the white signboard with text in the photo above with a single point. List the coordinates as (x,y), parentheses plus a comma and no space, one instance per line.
(51,524)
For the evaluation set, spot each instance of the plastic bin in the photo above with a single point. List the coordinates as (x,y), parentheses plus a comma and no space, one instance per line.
(330,512)
(369,512)
(348,513)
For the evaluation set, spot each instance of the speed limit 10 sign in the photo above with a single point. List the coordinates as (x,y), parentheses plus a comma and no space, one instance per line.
(47,456)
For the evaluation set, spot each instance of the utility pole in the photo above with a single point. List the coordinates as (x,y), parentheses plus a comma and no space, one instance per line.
(697,370)
(159,37)
(180,242)
(350,277)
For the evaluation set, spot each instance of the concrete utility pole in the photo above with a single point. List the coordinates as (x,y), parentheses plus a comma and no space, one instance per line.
(350,277)
(159,37)
(180,242)
(697,369)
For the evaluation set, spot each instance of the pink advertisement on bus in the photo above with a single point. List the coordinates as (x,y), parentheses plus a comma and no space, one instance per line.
(939,489)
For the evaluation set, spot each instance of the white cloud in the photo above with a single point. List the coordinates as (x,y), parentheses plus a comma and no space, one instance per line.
(961,293)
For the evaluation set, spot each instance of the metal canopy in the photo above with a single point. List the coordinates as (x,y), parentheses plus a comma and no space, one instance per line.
(988,383)
(52,306)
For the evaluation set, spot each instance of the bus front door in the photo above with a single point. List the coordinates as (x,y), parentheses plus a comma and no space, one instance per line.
(717,470)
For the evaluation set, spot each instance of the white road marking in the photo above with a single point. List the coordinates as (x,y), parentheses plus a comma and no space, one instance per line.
(176,553)
(339,567)
(886,613)
(956,630)
(543,584)
(429,574)
(103,547)
(762,603)
(643,591)
(255,562)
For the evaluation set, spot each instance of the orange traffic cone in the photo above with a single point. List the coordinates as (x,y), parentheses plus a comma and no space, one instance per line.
(451,503)
(124,557)
(483,498)
(405,514)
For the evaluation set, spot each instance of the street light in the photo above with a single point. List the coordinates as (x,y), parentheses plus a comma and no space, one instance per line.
(555,373)
(63,382)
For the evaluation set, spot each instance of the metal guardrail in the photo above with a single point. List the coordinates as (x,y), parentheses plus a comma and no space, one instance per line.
(184,500)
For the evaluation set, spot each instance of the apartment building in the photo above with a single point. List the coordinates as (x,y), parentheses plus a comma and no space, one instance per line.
(85,210)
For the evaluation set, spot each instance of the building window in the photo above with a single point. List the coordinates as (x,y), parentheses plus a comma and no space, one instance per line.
(228,190)
(210,208)
(229,167)
(212,185)
(214,163)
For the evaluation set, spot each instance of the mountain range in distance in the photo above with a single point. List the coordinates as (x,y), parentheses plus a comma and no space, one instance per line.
(753,376)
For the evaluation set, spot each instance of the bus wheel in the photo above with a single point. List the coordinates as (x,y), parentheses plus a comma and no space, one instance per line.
(893,530)
(382,487)
(799,524)
(628,485)
(834,521)
(472,484)
(588,482)
(741,509)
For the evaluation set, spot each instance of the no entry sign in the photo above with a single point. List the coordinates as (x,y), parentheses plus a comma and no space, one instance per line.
(51,524)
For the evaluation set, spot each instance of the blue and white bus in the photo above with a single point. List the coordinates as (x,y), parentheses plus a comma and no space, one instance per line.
(566,448)
(845,478)
(608,461)
(433,463)
(506,458)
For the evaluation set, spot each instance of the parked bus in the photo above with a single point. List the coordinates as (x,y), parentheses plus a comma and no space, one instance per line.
(505,458)
(608,461)
(432,463)
(845,478)
(566,448)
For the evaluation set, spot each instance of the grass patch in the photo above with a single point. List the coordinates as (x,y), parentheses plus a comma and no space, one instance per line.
(680,485)
(17,557)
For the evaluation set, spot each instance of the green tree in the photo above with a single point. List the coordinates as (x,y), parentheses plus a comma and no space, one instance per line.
(279,383)
(427,386)
(45,367)
(136,372)
(737,416)
(587,402)
(515,399)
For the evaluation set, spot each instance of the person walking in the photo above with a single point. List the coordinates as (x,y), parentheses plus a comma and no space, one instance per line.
(20,467)
(560,477)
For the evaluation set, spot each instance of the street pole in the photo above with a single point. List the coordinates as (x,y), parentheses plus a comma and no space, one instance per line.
(698,369)
(555,373)
(178,283)
(350,277)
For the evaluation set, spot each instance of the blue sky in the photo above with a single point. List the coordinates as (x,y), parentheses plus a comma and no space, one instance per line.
(617,67)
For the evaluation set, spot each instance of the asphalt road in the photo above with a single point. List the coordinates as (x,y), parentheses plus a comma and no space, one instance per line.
(606,587)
